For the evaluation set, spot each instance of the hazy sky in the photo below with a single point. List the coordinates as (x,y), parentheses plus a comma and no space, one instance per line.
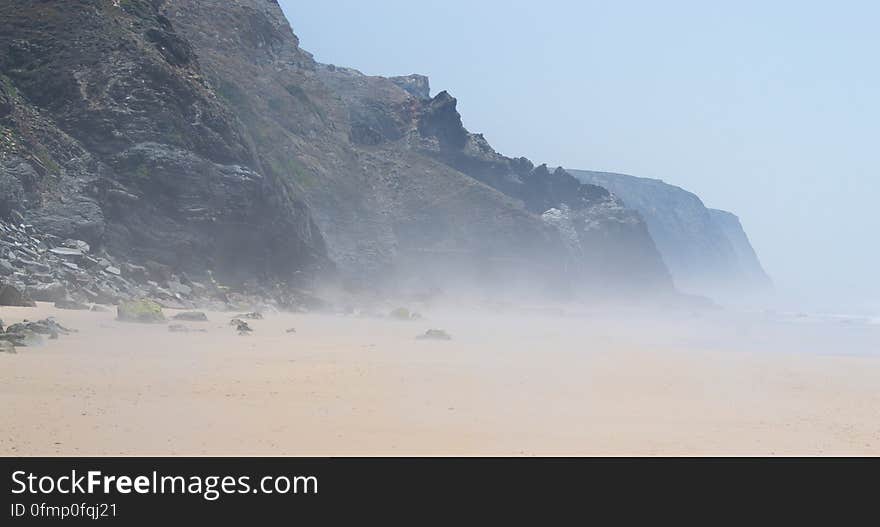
(767,109)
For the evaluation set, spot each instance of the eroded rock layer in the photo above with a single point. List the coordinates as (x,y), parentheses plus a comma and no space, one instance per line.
(199,135)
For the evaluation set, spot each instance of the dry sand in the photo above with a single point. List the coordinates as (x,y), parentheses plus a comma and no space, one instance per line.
(506,385)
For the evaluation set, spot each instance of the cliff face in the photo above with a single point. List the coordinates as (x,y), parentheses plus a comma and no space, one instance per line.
(746,257)
(112,134)
(706,250)
(199,134)
(401,191)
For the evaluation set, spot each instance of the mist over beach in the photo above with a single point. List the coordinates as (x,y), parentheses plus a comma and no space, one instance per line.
(510,382)
(503,229)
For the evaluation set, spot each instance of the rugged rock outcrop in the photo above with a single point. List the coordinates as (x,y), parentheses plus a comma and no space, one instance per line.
(110,133)
(706,250)
(416,85)
(28,333)
(46,268)
(36,266)
(194,133)
(403,193)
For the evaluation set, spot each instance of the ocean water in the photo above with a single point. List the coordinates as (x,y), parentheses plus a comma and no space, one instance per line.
(825,333)
(767,332)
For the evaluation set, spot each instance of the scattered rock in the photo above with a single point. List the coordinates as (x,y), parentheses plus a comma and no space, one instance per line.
(45,278)
(12,296)
(435,334)
(66,252)
(178,288)
(401,313)
(47,292)
(191,316)
(180,328)
(141,311)
(7,347)
(34,266)
(79,245)
(157,271)
(99,309)
(29,333)
(291,330)
(71,305)
(256,315)
(38,266)
(241,326)
(14,338)
(46,326)
(173,303)
(134,272)
(6,268)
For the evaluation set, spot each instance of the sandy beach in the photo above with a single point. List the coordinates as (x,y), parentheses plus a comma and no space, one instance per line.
(511,384)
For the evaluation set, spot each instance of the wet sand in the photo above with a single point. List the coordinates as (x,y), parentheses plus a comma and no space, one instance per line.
(506,385)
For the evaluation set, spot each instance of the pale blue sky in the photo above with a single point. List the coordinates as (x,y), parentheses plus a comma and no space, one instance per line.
(767,109)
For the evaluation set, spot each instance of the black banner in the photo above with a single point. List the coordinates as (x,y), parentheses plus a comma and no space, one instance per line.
(130,491)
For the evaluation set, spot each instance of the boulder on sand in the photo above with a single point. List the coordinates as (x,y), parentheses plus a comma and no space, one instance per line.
(435,334)
(241,326)
(142,311)
(180,328)
(191,316)
(31,334)
(12,296)
(22,337)
(402,313)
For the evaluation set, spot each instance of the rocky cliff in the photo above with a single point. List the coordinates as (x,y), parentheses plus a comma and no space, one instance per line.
(200,135)
(112,134)
(750,268)
(402,192)
(706,250)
